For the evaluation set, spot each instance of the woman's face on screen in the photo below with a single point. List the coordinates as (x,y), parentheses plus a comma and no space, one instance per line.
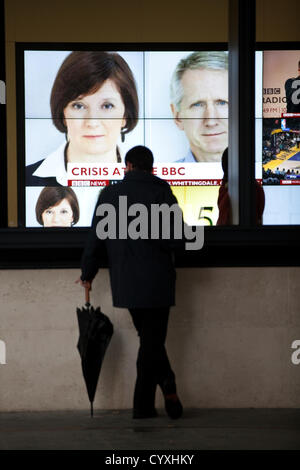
(94,121)
(60,215)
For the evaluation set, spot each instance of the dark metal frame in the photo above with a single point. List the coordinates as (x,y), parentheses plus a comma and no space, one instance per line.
(242,27)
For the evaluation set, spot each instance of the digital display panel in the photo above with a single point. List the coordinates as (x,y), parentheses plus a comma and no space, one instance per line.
(85,109)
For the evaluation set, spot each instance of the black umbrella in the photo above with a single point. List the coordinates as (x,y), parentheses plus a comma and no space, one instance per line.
(95,332)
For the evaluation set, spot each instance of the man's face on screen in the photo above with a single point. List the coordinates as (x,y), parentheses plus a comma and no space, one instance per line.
(94,121)
(203,114)
(60,215)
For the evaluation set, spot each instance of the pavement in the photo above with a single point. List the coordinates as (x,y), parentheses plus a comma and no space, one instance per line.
(197,429)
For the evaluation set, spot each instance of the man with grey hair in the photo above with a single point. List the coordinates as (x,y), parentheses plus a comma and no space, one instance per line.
(199,104)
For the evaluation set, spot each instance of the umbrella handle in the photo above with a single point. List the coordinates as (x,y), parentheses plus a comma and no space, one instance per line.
(87,295)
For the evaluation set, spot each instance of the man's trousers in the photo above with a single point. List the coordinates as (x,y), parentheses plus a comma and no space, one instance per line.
(153,366)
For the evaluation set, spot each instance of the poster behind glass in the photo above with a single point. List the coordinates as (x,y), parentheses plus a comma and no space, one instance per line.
(74,115)
(278,134)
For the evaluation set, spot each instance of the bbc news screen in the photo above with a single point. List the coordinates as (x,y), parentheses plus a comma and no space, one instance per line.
(278,134)
(85,109)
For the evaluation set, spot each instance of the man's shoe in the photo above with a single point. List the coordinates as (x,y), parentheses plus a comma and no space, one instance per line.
(173,406)
(142,414)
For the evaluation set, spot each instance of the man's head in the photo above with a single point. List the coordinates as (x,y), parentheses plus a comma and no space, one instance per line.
(199,102)
(139,158)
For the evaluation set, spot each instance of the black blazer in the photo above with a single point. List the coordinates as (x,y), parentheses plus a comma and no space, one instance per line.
(142,272)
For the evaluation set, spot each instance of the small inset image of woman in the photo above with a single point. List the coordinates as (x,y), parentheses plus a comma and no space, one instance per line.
(57,207)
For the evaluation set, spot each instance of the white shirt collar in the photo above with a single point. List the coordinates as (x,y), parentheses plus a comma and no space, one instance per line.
(54,166)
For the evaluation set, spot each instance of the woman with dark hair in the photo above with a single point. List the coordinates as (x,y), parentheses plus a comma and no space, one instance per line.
(94,103)
(57,207)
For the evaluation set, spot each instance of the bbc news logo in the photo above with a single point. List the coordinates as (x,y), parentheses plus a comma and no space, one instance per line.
(2,352)
(295,358)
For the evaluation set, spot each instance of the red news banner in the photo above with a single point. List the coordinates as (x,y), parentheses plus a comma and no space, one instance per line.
(176,174)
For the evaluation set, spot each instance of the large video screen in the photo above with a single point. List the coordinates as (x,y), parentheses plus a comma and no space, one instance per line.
(278,134)
(84,109)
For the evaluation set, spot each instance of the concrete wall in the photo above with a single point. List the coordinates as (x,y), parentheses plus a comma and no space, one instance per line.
(229,340)
(231,332)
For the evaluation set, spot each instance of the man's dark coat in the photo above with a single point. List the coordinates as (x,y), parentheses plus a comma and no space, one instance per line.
(142,272)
